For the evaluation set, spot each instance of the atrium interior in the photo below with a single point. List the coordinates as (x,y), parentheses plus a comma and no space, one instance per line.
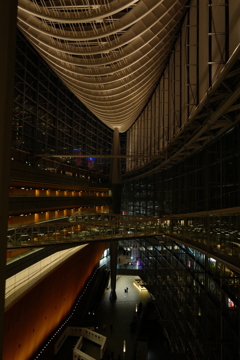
(120,177)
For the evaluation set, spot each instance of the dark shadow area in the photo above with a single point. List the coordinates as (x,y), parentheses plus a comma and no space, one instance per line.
(151,333)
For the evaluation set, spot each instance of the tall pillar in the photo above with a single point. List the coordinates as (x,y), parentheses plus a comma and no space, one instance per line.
(115,208)
(8,16)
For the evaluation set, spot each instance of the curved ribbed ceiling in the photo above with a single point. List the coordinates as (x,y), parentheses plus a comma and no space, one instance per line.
(109,53)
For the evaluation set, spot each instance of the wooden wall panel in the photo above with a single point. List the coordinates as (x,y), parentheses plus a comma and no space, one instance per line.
(33,318)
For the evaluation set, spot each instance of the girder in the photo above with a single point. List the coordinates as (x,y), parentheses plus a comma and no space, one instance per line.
(216,113)
(109,54)
(191,229)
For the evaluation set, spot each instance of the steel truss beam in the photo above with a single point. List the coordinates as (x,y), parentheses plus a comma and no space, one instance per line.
(213,116)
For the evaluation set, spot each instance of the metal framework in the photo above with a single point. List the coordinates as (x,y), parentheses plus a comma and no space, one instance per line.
(109,53)
(217,112)
(170,75)
(48,118)
(82,228)
(206,180)
(215,234)
(197,97)
(197,298)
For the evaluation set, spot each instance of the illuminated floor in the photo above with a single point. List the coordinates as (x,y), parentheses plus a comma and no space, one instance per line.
(120,314)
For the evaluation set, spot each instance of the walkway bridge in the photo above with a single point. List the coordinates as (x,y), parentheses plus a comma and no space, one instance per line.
(213,233)
(83,228)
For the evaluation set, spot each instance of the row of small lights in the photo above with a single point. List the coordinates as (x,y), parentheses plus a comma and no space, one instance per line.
(70,316)
(83,207)
(22,188)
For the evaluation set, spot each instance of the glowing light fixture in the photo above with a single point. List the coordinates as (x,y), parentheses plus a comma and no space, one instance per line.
(124,346)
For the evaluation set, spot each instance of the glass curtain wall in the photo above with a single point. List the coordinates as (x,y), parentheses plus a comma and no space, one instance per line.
(48,118)
(196,297)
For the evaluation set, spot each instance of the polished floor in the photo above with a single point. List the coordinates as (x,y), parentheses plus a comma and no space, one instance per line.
(121,314)
(120,323)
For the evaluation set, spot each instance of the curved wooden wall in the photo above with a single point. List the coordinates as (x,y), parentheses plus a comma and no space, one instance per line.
(30,321)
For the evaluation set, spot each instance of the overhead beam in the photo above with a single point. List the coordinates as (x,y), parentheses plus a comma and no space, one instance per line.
(155,156)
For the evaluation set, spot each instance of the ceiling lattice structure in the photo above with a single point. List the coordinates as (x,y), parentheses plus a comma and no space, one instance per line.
(109,53)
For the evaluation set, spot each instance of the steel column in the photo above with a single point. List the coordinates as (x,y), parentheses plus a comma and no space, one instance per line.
(8,17)
(116,188)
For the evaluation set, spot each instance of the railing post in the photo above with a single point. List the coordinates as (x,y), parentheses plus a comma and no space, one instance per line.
(185,226)
(209,245)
